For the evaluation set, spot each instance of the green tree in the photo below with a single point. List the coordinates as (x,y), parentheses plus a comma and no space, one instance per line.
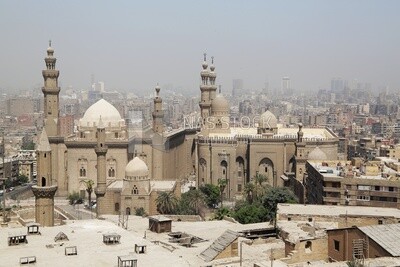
(89,189)
(222,183)
(275,195)
(211,193)
(221,213)
(75,198)
(166,203)
(251,213)
(259,180)
(22,179)
(184,207)
(249,190)
(140,212)
(197,200)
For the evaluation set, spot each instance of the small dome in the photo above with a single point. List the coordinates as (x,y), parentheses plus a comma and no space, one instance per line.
(268,120)
(212,67)
(317,154)
(136,167)
(204,65)
(220,104)
(107,112)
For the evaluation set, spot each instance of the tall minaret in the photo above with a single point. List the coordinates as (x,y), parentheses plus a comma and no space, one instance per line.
(158,113)
(101,152)
(51,92)
(157,140)
(213,76)
(205,102)
(44,191)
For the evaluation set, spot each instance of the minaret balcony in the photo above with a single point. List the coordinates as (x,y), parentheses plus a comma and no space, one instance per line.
(50,73)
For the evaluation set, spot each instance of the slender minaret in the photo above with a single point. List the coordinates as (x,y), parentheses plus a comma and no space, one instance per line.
(44,191)
(158,114)
(205,102)
(300,156)
(157,140)
(213,76)
(101,152)
(51,92)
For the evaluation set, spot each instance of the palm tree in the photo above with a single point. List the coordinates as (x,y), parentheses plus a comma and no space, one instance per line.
(222,185)
(259,179)
(166,203)
(89,189)
(197,200)
(249,191)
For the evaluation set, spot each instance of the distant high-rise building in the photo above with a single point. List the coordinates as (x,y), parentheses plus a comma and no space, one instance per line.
(285,86)
(337,84)
(237,87)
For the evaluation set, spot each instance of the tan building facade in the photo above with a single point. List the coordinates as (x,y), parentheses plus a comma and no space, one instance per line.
(341,183)
(206,154)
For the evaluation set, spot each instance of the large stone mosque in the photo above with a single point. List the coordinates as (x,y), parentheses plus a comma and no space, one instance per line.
(129,168)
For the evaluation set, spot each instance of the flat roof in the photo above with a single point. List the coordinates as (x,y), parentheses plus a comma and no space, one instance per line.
(87,236)
(330,210)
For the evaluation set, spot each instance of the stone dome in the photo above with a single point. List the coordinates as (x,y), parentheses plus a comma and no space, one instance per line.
(108,113)
(136,167)
(268,120)
(50,50)
(220,104)
(317,154)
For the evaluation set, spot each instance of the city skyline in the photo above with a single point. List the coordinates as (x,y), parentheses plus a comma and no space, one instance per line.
(132,47)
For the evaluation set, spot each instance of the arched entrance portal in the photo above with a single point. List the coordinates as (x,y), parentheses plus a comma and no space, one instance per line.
(266,167)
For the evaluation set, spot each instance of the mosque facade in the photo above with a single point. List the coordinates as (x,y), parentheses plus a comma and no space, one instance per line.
(137,165)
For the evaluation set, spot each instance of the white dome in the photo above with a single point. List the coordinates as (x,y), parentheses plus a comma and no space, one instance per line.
(136,167)
(268,120)
(317,154)
(109,114)
(220,104)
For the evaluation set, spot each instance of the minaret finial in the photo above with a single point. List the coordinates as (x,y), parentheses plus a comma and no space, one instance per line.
(205,56)
(158,90)
(49,43)
(219,91)
(212,60)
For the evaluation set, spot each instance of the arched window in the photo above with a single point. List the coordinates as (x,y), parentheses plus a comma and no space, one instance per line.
(203,170)
(266,167)
(82,172)
(116,206)
(43,181)
(128,211)
(82,165)
(224,169)
(111,166)
(111,172)
(135,190)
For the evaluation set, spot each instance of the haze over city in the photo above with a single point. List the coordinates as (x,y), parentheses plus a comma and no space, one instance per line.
(132,45)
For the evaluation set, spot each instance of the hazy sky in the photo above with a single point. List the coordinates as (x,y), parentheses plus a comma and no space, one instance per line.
(132,45)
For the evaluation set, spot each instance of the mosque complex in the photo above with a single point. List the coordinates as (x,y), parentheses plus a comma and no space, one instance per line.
(130,168)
